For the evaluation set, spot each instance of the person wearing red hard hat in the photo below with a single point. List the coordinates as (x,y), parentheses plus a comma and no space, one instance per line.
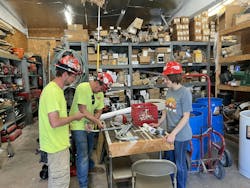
(178,107)
(70,64)
(88,99)
(107,80)
(172,67)
(54,121)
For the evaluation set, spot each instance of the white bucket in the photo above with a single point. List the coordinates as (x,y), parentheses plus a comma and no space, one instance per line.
(244,143)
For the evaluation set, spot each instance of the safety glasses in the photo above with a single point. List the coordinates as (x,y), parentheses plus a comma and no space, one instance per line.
(93,99)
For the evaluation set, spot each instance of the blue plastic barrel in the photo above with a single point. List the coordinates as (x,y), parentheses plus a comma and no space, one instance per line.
(214,102)
(199,107)
(196,122)
(196,152)
(218,125)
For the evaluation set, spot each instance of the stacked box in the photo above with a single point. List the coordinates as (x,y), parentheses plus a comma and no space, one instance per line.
(76,32)
(199,27)
(162,54)
(212,30)
(154,93)
(180,29)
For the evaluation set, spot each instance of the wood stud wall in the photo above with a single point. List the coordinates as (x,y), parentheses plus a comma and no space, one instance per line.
(18,40)
(40,41)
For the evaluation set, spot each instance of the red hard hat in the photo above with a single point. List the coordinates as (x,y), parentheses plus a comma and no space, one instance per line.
(107,80)
(70,64)
(172,67)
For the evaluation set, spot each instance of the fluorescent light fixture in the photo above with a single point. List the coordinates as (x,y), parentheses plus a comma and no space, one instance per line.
(218,7)
(68,13)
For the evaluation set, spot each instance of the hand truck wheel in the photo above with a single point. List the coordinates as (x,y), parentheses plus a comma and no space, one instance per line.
(226,159)
(44,174)
(219,171)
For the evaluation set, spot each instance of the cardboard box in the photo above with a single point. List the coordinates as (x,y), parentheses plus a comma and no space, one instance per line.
(154,28)
(241,18)
(122,61)
(176,20)
(197,37)
(91,50)
(105,61)
(144,59)
(226,19)
(93,57)
(137,23)
(184,20)
(197,56)
(163,50)
(154,93)
(77,35)
(75,27)
(104,33)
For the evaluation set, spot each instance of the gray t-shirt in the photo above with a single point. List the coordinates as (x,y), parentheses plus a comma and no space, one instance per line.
(178,102)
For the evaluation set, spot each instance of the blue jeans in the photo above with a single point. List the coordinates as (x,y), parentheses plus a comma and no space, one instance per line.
(178,156)
(84,143)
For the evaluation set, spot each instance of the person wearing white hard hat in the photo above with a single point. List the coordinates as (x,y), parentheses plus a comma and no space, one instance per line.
(88,99)
(54,122)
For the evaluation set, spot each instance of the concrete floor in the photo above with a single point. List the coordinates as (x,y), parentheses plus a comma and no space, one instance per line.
(22,171)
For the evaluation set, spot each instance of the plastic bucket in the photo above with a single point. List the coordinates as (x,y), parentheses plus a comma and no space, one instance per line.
(215,103)
(201,108)
(196,122)
(19,52)
(218,125)
(244,143)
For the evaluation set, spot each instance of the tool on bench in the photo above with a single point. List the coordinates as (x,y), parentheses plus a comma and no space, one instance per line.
(124,130)
(106,129)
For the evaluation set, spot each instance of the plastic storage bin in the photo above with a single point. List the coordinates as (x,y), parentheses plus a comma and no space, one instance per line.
(144,113)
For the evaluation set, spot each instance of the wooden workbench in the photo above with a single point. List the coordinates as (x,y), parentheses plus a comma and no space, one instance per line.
(146,143)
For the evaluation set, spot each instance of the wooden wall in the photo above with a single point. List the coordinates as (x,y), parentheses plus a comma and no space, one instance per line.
(40,41)
(43,40)
(46,32)
(18,40)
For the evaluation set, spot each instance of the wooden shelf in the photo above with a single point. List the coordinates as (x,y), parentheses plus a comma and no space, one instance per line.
(234,29)
(7,55)
(234,59)
(234,88)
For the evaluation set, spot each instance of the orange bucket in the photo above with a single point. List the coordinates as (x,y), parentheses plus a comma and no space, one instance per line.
(19,52)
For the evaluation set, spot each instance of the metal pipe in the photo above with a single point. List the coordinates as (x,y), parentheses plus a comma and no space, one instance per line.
(120,17)
(98,38)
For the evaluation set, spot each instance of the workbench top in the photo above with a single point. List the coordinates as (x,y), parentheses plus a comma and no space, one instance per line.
(145,143)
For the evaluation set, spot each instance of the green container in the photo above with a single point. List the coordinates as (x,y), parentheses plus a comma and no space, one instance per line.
(243,76)
(238,75)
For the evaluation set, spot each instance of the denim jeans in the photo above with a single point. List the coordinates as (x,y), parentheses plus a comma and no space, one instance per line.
(84,143)
(178,156)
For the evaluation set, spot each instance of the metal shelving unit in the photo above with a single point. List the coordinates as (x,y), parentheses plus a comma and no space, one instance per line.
(12,113)
(33,80)
(127,48)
